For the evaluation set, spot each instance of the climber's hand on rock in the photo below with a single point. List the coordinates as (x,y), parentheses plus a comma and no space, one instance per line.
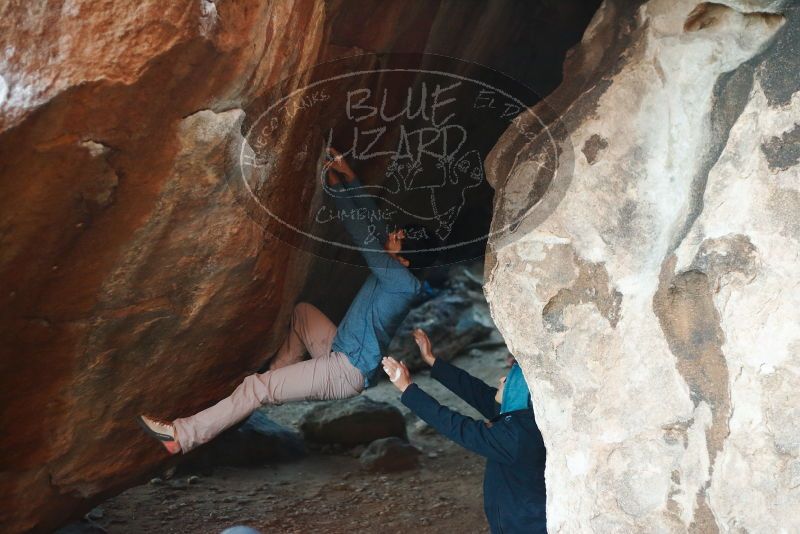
(398,373)
(424,344)
(337,162)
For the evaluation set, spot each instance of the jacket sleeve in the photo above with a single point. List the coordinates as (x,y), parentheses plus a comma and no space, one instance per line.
(498,442)
(354,192)
(357,209)
(474,391)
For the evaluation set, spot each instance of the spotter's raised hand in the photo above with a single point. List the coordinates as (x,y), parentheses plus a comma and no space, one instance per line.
(424,343)
(398,373)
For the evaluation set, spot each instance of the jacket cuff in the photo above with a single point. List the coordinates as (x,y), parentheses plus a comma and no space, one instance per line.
(355,182)
(439,367)
(408,395)
(344,185)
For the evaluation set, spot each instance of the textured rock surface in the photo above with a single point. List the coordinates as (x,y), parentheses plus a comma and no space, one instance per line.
(651,293)
(131,278)
(128,269)
(390,454)
(456,317)
(256,441)
(355,421)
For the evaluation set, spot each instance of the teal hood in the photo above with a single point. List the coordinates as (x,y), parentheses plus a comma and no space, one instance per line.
(516,394)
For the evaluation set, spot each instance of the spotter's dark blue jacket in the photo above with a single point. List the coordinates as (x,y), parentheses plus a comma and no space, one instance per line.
(513,485)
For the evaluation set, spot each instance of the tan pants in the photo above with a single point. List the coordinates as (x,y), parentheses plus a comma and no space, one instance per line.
(327,375)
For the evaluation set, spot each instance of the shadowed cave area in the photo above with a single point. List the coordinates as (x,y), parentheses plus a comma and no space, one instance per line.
(607,191)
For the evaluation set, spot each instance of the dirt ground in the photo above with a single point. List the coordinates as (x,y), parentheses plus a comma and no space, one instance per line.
(326,493)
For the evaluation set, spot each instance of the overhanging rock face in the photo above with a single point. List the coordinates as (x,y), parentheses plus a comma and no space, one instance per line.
(132,279)
(645,270)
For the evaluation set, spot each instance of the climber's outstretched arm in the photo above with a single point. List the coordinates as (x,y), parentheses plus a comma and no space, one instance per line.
(349,199)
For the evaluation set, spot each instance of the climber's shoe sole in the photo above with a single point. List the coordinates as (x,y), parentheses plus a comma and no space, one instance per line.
(166,440)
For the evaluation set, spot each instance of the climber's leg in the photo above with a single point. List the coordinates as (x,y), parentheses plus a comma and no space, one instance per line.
(332,377)
(310,331)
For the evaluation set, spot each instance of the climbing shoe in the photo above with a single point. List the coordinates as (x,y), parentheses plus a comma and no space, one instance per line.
(163,431)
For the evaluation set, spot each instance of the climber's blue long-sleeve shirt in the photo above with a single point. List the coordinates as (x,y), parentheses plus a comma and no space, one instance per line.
(386,296)
(513,486)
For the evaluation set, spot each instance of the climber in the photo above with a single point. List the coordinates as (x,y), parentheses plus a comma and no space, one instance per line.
(513,485)
(344,360)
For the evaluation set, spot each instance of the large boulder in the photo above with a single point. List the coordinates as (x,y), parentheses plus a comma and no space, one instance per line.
(256,441)
(356,421)
(645,269)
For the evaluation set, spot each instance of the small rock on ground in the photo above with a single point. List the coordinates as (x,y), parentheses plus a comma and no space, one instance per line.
(351,422)
(390,454)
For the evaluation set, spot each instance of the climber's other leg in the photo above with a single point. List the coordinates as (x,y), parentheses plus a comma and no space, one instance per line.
(310,331)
